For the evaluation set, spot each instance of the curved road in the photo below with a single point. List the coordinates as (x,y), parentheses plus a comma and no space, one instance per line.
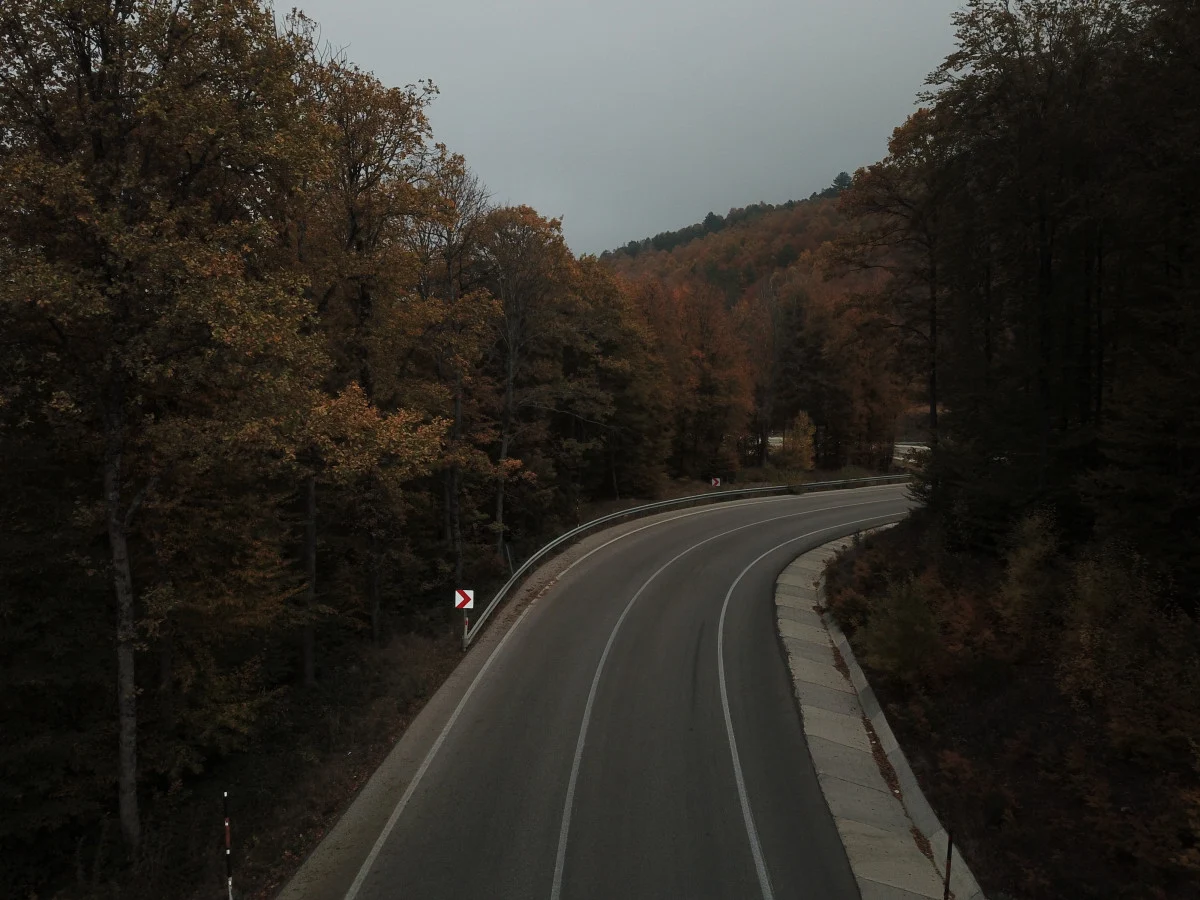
(635,735)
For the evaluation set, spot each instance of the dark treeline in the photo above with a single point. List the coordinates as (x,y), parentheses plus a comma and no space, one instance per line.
(1038,222)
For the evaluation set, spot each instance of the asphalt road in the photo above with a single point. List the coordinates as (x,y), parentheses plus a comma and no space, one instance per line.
(635,734)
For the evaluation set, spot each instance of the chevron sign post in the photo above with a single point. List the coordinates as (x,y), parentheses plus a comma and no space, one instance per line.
(464,600)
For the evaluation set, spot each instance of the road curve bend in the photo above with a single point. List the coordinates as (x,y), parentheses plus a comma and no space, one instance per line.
(634,735)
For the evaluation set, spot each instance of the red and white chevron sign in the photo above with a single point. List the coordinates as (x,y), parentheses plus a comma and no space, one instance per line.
(464,599)
(716,482)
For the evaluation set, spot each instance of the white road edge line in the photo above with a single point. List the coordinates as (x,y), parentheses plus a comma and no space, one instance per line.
(364,870)
(764,879)
(357,884)
(568,804)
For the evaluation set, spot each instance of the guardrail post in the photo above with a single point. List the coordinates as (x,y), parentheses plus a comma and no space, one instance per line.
(228,846)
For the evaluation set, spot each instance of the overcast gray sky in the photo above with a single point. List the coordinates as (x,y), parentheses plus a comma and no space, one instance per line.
(631,117)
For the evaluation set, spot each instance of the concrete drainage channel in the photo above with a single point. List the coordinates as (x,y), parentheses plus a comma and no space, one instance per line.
(896,845)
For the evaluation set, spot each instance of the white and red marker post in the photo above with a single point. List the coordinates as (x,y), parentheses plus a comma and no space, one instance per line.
(228,857)
(464,600)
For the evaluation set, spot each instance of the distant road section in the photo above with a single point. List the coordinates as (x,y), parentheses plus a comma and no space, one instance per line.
(634,735)
(909,453)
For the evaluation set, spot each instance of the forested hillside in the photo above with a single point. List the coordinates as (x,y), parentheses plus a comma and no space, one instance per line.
(1036,630)
(735,252)
(713,223)
(818,351)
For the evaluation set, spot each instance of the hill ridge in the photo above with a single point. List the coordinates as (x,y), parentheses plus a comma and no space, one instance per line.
(714,223)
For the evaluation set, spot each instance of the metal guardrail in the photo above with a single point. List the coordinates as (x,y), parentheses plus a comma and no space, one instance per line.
(736,494)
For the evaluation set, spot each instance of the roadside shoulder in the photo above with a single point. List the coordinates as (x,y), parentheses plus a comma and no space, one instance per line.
(894,841)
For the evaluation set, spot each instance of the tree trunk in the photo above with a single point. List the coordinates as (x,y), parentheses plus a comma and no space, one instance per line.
(454,474)
(1083,357)
(447,487)
(373,588)
(506,419)
(456,483)
(1098,385)
(127,774)
(1045,290)
(456,520)
(308,636)
(500,497)
(166,686)
(365,306)
(933,354)
(987,330)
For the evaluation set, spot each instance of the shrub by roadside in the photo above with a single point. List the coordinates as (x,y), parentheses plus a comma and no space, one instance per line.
(1049,703)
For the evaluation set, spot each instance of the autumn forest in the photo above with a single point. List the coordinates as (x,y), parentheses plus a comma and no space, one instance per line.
(277,374)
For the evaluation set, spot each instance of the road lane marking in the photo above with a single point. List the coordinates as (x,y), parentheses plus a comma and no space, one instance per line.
(365,869)
(734,505)
(569,802)
(425,763)
(764,879)
(369,862)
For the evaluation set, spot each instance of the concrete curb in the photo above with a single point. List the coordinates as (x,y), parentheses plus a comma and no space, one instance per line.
(874,821)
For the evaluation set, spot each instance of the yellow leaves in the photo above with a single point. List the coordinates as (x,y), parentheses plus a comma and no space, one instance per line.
(520,242)
(508,468)
(354,438)
(62,403)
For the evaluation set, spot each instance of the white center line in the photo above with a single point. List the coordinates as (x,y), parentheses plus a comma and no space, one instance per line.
(369,862)
(569,801)
(365,868)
